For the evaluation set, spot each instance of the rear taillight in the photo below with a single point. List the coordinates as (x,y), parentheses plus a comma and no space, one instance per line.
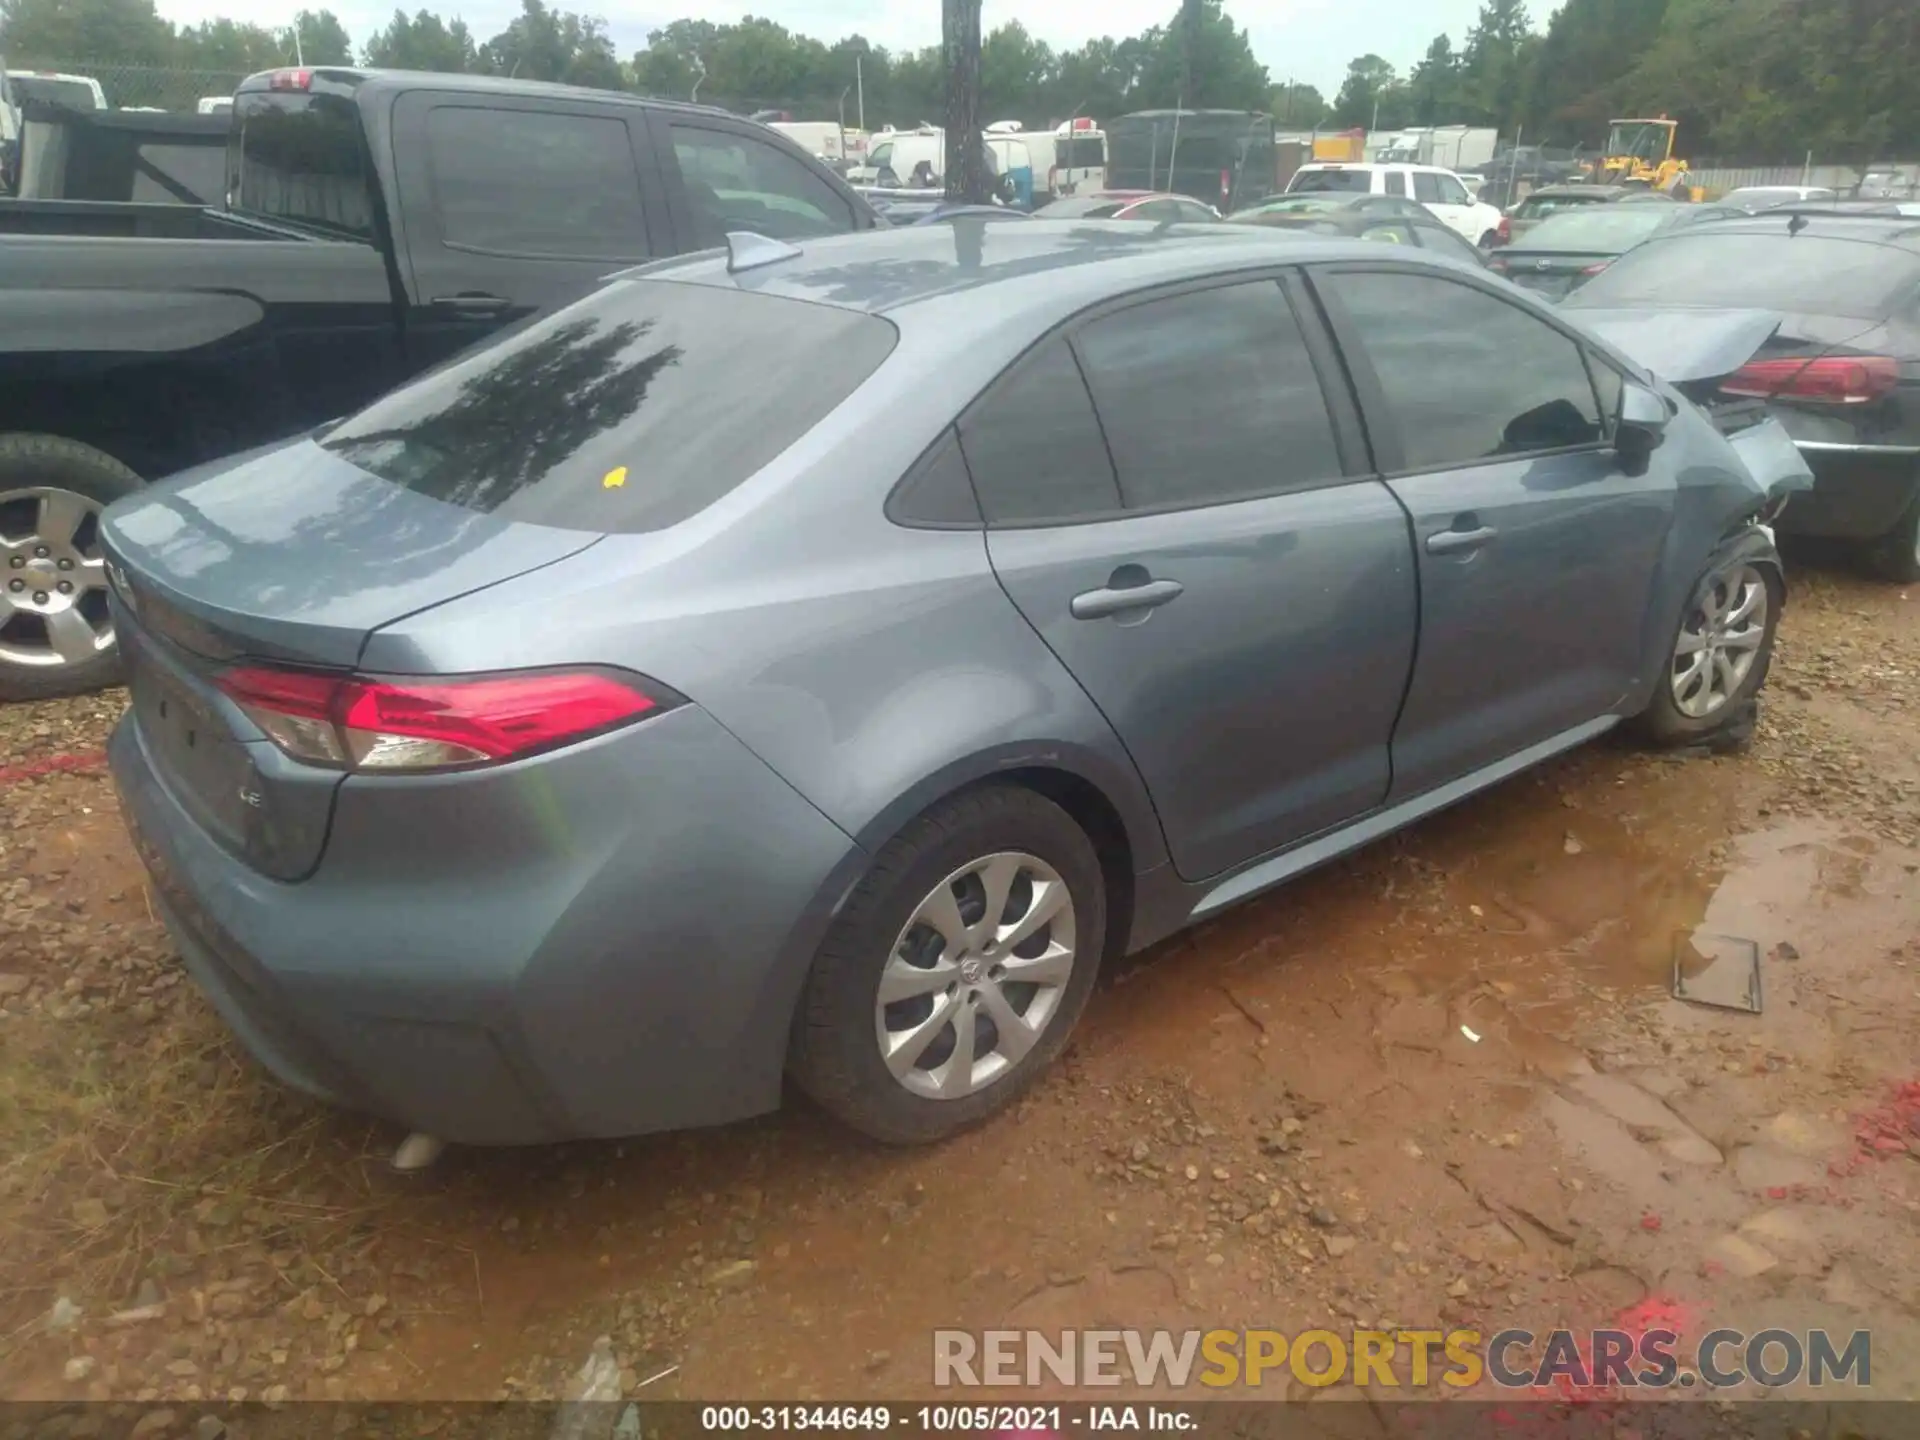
(290,80)
(1832,380)
(1226,184)
(395,724)
(1596,269)
(1503,232)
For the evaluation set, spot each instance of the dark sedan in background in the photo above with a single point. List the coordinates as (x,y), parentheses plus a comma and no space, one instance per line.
(1566,250)
(1386,219)
(1841,371)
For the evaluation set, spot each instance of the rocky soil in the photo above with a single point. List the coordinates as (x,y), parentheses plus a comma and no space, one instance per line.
(1442,1082)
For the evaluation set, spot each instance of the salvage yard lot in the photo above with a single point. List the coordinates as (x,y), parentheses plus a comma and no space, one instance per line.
(1438,1082)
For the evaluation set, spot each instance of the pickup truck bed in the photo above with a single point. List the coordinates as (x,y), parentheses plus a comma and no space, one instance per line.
(382,222)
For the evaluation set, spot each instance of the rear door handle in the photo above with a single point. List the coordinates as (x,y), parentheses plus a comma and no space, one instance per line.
(473,304)
(1456,542)
(1124,599)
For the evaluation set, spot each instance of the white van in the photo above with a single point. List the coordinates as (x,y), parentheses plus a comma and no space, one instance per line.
(906,158)
(823,139)
(1441,191)
(1079,158)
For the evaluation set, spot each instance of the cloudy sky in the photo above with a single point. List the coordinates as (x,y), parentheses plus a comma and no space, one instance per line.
(1309,40)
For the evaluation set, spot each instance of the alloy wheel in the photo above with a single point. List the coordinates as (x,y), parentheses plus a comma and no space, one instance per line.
(976,976)
(1720,642)
(53,579)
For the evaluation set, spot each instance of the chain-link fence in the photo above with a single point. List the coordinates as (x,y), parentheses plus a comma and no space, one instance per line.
(130,87)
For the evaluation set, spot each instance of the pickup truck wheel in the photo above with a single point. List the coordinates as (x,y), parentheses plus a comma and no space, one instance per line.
(1720,656)
(55,634)
(1898,553)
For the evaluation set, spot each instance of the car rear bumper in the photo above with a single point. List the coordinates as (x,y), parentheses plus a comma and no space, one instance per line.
(1858,494)
(604,941)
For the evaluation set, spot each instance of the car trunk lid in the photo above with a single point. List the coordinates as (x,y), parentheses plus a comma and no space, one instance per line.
(294,556)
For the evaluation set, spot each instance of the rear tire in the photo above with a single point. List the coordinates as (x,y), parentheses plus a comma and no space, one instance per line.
(1490,240)
(954,971)
(1896,556)
(1695,700)
(46,481)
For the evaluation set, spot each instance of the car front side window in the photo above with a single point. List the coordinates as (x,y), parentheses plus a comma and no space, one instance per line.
(1467,378)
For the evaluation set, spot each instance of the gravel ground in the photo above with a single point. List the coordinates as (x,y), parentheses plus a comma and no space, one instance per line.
(1441,1081)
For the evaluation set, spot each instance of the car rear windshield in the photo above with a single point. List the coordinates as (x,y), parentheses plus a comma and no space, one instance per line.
(1085,207)
(1538,207)
(1350,181)
(301,158)
(1799,274)
(628,411)
(1597,229)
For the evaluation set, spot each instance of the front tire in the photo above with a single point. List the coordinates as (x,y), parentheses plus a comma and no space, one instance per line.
(55,636)
(956,971)
(1719,657)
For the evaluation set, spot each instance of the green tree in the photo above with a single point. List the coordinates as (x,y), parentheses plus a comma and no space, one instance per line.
(1493,65)
(547,44)
(323,39)
(1433,90)
(126,32)
(1370,95)
(1298,107)
(233,45)
(676,59)
(1017,76)
(426,42)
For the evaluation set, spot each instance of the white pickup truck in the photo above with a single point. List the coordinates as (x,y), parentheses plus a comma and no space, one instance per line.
(1441,191)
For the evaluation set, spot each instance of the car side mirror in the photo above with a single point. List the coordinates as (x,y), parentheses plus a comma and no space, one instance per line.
(1644,415)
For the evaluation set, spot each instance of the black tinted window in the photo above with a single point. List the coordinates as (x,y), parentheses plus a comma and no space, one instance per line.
(574,192)
(1467,376)
(1035,448)
(631,410)
(1080,153)
(1426,188)
(1396,183)
(1209,396)
(301,158)
(1799,274)
(1312,182)
(736,182)
(937,491)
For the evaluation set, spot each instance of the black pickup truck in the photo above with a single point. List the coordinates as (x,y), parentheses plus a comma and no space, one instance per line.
(376,223)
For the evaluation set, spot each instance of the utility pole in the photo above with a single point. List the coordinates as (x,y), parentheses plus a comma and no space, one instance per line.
(1189,36)
(860,96)
(967,178)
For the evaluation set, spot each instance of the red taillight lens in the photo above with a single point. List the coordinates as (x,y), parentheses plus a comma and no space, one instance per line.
(1832,380)
(397,724)
(290,80)
(1503,232)
(1226,184)
(1596,269)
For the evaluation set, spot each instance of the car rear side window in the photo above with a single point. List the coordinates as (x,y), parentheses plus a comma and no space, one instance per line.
(629,411)
(1034,445)
(1798,274)
(737,182)
(1209,396)
(575,191)
(1396,183)
(1467,377)
(1426,188)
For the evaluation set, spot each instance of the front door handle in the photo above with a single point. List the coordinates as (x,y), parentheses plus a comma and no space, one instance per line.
(1457,542)
(474,304)
(1124,599)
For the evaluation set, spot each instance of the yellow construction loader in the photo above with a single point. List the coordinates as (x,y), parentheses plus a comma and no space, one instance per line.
(1640,152)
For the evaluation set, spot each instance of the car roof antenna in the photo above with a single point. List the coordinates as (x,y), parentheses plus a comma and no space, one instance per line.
(748,251)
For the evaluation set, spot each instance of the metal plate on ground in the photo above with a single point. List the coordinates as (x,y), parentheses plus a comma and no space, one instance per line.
(1718,970)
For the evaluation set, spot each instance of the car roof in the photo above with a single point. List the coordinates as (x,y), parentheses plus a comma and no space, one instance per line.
(1043,271)
(1900,231)
(375,81)
(1557,192)
(1371,165)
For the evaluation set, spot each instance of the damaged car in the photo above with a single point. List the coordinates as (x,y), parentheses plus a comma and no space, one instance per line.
(542,753)
(1838,365)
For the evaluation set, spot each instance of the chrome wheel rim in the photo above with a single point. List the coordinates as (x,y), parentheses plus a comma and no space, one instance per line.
(976,976)
(53,579)
(1720,642)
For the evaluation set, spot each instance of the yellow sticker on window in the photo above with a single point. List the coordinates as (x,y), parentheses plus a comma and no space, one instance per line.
(614,478)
